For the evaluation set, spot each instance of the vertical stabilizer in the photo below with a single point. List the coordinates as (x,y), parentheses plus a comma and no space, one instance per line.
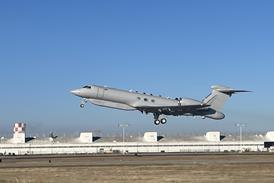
(219,95)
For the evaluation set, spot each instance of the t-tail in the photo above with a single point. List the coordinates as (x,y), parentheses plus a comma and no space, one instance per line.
(217,99)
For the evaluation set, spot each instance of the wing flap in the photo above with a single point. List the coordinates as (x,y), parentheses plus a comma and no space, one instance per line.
(109,104)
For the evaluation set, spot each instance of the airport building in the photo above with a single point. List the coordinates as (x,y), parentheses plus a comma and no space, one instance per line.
(86,143)
(128,147)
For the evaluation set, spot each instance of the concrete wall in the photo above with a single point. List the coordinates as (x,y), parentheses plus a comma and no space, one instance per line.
(21,149)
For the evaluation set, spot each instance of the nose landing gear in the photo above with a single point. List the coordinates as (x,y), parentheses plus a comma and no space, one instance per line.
(83,102)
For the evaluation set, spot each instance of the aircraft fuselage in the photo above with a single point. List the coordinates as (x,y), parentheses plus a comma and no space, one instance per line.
(157,105)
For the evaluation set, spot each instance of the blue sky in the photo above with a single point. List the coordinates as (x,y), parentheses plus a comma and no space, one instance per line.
(172,48)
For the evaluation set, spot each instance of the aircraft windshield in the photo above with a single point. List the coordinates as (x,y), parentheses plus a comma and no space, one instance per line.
(89,87)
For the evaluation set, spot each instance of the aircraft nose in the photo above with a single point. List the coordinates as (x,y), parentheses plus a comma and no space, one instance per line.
(76,92)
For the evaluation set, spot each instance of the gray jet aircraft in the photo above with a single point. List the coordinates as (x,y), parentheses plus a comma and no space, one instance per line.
(159,106)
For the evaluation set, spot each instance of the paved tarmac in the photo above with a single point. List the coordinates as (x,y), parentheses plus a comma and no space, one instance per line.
(141,168)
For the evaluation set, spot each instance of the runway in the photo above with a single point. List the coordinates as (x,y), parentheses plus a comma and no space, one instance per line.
(141,168)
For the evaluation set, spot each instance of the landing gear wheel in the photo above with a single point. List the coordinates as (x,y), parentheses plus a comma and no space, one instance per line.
(83,102)
(163,121)
(157,122)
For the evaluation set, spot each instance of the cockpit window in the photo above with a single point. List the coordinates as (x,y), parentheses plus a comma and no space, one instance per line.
(89,87)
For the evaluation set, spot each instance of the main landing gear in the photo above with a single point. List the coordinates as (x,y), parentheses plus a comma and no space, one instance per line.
(159,119)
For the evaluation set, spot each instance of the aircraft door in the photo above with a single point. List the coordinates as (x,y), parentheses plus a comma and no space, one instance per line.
(100,92)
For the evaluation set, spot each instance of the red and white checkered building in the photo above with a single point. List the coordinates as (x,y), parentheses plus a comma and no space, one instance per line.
(19,130)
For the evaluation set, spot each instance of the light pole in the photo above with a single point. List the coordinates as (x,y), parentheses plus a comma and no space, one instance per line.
(123,126)
(241,125)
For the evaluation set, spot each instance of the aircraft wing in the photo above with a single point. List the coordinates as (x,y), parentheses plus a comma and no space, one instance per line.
(170,109)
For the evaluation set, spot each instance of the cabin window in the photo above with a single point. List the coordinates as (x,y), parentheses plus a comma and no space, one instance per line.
(139,98)
(153,100)
(145,99)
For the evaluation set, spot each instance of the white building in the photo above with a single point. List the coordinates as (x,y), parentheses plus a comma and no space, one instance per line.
(148,144)
(150,137)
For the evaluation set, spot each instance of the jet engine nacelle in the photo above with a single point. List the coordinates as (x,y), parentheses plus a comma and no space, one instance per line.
(217,115)
(187,101)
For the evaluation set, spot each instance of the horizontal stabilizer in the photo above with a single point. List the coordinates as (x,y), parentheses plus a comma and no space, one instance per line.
(227,90)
